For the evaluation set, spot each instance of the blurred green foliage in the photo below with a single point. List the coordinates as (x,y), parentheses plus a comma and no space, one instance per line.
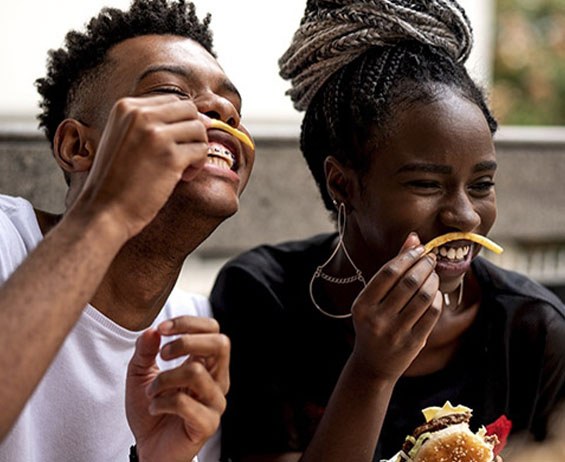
(529,67)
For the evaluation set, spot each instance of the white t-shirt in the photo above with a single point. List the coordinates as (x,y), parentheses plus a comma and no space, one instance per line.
(77,412)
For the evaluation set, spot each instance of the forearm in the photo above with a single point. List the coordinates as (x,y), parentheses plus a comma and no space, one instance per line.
(42,300)
(353,419)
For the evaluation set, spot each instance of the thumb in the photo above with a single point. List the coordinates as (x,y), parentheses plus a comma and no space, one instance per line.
(146,350)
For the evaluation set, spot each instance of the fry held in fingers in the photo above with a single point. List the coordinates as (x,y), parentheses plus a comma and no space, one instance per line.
(477,238)
(232,131)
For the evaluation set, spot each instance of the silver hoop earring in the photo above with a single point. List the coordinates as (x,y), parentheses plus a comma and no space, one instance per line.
(446,298)
(319,273)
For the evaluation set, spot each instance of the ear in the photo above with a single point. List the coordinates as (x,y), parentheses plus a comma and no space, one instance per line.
(72,147)
(340,181)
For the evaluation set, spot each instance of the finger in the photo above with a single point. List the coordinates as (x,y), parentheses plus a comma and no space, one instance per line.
(410,284)
(197,345)
(187,131)
(424,326)
(188,325)
(200,420)
(412,240)
(146,350)
(420,302)
(192,377)
(212,350)
(387,279)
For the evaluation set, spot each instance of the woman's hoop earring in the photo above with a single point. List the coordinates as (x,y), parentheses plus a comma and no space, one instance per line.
(319,273)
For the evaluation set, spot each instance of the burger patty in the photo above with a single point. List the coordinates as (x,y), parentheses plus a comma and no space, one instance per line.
(443,422)
(435,425)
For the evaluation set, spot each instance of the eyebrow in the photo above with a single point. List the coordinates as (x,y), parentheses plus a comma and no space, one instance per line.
(485,166)
(425,167)
(225,84)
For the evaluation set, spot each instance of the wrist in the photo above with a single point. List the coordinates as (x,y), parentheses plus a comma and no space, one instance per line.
(97,224)
(362,371)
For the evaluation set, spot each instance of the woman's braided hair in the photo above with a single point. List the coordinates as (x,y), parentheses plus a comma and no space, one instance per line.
(353,63)
(84,53)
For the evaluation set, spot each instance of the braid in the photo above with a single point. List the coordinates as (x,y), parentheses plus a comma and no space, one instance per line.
(353,63)
(334,33)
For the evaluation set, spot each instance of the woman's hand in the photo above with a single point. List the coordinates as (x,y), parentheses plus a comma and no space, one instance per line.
(395,313)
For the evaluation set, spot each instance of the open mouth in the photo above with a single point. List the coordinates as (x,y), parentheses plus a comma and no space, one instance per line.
(452,253)
(220,156)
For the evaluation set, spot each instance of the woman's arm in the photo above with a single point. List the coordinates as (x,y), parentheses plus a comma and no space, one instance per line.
(393,317)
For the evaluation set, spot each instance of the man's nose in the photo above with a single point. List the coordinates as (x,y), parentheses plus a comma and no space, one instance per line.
(218,107)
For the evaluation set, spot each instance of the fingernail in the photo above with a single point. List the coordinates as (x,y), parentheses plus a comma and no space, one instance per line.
(166,351)
(419,249)
(166,326)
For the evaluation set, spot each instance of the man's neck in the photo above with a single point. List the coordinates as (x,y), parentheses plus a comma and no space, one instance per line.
(143,274)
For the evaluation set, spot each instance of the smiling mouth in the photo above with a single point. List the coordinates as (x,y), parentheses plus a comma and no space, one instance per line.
(221,157)
(452,253)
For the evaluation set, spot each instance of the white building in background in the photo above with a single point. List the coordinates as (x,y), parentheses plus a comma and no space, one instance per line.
(250,35)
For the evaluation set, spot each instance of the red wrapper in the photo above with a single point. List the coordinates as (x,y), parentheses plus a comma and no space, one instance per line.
(501,428)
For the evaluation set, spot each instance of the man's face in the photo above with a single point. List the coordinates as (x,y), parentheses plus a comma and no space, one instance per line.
(166,64)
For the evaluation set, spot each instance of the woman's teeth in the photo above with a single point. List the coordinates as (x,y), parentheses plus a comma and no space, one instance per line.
(452,253)
(220,156)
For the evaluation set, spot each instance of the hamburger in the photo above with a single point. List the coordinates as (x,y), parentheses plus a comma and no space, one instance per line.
(447,437)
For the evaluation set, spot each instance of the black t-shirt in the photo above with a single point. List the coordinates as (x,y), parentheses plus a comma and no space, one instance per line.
(287,356)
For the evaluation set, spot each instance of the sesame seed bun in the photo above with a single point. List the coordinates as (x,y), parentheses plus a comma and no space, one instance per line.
(456,443)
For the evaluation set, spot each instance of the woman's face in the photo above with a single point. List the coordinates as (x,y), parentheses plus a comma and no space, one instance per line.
(433,175)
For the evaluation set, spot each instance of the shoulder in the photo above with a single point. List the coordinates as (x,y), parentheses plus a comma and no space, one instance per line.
(18,223)
(270,261)
(267,278)
(13,206)
(519,294)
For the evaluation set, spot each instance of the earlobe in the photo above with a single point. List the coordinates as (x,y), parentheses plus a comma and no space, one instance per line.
(72,147)
(338,181)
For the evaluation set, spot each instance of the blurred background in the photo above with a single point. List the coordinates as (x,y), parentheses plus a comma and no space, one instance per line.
(519,58)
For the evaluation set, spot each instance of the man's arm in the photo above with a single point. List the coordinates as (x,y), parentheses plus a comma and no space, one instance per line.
(141,156)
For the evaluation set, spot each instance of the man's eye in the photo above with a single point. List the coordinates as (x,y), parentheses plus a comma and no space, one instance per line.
(172,91)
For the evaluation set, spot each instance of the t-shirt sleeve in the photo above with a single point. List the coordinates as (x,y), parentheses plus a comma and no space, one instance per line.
(254,422)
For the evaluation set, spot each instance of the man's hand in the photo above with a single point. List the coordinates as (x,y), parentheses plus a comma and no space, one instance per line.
(173,413)
(149,144)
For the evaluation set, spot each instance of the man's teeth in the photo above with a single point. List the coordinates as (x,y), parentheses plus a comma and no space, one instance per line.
(452,253)
(220,156)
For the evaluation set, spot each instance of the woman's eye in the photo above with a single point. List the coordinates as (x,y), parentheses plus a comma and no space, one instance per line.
(424,184)
(483,186)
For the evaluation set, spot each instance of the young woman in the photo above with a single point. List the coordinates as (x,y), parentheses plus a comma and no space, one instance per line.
(340,340)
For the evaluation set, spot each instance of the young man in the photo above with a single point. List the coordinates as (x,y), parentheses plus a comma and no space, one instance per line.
(128,108)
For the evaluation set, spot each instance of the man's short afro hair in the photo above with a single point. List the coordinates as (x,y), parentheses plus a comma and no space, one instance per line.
(84,51)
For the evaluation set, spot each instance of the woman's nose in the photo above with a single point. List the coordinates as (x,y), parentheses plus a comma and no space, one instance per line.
(218,107)
(459,213)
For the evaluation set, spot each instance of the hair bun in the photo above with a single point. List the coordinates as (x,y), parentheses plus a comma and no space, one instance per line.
(332,33)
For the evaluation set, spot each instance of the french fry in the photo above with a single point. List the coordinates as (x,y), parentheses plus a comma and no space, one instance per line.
(445,238)
(233,131)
